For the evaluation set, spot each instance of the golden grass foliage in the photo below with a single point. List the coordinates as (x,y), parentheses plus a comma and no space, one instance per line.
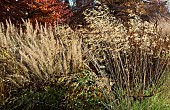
(42,51)
(37,54)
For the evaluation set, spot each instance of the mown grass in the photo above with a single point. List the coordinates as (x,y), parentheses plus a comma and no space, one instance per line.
(105,66)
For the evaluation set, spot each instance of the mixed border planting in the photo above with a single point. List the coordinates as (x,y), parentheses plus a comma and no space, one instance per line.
(101,61)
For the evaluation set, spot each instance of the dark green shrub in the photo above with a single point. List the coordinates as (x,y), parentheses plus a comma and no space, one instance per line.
(49,98)
(84,92)
(75,92)
(11,75)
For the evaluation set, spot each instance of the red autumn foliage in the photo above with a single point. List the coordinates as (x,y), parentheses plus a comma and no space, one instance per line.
(14,10)
(50,12)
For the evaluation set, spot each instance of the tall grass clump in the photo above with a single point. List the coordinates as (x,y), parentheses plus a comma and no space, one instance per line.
(42,50)
(31,57)
(134,57)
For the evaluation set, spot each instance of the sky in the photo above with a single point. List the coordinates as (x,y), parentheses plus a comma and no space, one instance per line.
(71,2)
(168,5)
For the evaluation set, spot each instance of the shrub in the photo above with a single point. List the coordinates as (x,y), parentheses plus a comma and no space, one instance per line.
(12,75)
(49,97)
(135,58)
(75,92)
(14,10)
(50,12)
(85,91)
(147,10)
